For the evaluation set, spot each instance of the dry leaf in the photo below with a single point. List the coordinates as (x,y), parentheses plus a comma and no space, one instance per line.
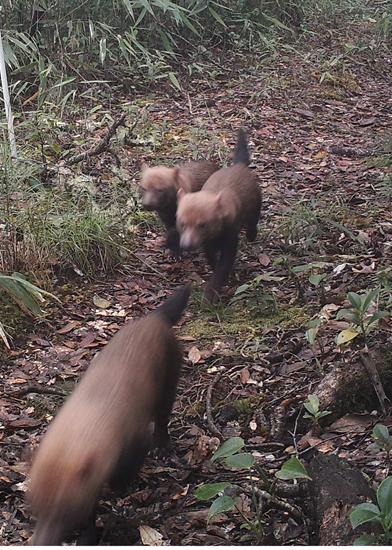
(68,327)
(352,423)
(150,536)
(194,355)
(264,260)
(101,302)
(244,376)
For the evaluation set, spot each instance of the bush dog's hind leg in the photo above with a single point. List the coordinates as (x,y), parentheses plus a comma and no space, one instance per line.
(167,396)
(251,226)
(88,535)
(130,462)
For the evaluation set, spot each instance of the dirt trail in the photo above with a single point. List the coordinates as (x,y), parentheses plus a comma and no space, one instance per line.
(320,202)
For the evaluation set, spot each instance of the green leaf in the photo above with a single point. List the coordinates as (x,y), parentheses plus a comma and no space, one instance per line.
(355,300)
(312,404)
(210,490)
(346,336)
(381,432)
(242,289)
(240,461)
(324,413)
(363,513)
(229,447)
(174,81)
(384,496)
(369,298)
(217,17)
(315,279)
(311,334)
(102,50)
(292,469)
(301,268)
(377,316)
(220,505)
(3,336)
(346,314)
(365,540)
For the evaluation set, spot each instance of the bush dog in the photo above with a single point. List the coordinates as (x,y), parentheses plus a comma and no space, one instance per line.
(213,217)
(160,185)
(101,433)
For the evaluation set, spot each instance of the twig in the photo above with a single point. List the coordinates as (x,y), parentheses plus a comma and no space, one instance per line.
(101,145)
(210,421)
(277,419)
(374,376)
(37,389)
(276,502)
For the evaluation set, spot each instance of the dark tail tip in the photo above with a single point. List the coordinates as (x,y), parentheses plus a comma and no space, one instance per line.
(241,153)
(174,306)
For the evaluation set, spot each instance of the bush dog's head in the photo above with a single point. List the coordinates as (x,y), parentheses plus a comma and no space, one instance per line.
(203,216)
(159,186)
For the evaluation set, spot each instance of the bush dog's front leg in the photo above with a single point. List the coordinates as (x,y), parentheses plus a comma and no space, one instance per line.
(223,266)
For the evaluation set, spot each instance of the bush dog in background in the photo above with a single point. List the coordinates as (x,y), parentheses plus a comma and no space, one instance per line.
(213,217)
(101,433)
(160,185)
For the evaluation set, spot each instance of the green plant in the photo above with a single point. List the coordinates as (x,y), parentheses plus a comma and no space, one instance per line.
(382,439)
(380,513)
(312,405)
(254,295)
(316,279)
(292,469)
(363,314)
(229,454)
(28,297)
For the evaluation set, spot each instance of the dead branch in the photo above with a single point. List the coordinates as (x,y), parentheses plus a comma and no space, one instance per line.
(210,421)
(37,389)
(275,502)
(101,145)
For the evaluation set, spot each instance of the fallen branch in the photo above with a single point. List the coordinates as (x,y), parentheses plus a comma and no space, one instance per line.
(275,502)
(37,389)
(101,145)
(210,421)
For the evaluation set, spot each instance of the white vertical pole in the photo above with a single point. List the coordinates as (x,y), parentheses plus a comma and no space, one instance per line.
(7,102)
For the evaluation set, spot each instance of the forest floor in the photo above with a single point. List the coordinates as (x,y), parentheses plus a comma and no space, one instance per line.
(315,127)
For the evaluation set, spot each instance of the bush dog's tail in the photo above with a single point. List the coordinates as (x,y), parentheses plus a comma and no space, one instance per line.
(241,153)
(174,306)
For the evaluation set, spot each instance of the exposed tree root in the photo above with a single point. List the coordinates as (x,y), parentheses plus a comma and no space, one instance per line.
(347,385)
(335,488)
(101,146)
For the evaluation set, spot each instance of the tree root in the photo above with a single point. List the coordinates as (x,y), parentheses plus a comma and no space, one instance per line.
(210,422)
(38,389)
(102,145)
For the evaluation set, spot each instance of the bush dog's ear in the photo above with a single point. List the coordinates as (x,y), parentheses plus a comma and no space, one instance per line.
(144,166)
(180,193)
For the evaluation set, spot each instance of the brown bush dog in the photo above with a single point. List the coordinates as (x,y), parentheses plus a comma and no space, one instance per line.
(103,431)
(213,217)
(160,184)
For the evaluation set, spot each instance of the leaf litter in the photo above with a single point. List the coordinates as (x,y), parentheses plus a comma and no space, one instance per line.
(317,206)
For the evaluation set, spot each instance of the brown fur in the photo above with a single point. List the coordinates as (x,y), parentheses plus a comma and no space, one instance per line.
(159,185)
(214,216)
(102,428)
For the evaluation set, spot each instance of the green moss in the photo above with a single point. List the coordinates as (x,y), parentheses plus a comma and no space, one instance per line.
(248,405)
(239,321)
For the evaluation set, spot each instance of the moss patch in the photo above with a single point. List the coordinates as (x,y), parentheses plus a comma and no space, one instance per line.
(237,321)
